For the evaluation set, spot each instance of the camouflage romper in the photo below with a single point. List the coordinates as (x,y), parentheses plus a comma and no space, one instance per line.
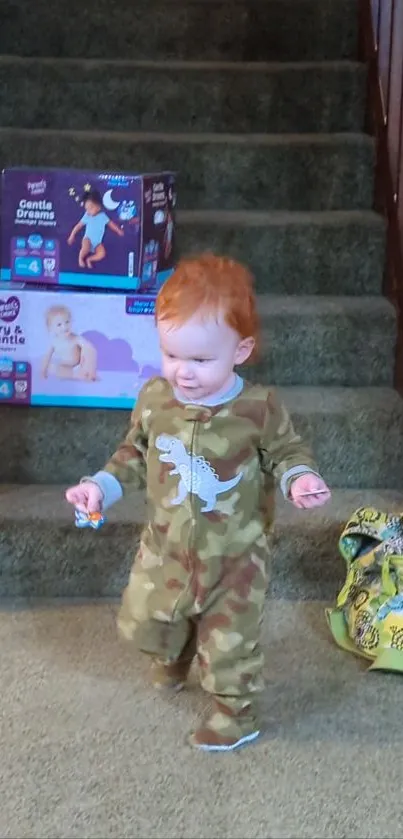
(200,577)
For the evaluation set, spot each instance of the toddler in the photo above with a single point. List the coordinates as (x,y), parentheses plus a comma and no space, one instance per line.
(209,446)
(95,221)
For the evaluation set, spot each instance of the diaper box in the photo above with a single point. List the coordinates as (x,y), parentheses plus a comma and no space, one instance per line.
(69,348)
(88,229)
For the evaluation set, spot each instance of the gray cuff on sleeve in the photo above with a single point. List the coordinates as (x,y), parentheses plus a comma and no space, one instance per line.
(294,472)
(109,485)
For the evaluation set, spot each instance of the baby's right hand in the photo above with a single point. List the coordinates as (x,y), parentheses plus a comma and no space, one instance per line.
(86,497)
(70,240)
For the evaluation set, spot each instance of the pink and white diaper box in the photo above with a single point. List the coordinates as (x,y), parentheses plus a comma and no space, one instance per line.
(69,348)
(66,227)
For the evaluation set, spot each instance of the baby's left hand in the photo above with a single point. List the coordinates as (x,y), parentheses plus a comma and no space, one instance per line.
(309,490)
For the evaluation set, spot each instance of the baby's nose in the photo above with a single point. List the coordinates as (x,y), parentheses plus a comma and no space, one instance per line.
(185,370)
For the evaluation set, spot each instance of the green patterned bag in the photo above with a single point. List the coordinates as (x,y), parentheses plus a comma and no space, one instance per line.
(368,618)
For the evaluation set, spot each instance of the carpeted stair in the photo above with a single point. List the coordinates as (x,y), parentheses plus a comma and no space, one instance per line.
(210,30)
(259,104)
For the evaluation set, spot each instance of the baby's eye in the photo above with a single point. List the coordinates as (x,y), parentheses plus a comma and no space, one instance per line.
(200,360)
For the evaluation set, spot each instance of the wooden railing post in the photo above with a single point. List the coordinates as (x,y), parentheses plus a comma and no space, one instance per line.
(381,46)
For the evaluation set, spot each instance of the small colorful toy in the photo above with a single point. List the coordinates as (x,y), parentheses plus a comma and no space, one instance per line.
(94,520)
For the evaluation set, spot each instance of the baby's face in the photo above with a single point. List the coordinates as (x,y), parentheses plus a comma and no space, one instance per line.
(60,325)
(198,358)
(92,208)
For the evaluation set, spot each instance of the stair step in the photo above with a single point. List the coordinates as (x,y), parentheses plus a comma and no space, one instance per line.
(245,30)
(182,96)
(326,341)
(229,171)
(45,555)
(294,253)
(356,433)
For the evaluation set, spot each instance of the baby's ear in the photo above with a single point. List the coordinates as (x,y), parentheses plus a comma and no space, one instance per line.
(244,350)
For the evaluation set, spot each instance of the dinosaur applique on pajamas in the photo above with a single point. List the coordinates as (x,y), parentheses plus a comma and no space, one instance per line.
(200,576)
(196,474)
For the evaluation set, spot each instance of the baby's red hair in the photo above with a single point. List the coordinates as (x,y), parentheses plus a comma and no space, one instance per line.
(210,285)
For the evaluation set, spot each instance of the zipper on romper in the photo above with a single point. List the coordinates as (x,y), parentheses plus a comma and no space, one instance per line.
(192,527)
(191,493)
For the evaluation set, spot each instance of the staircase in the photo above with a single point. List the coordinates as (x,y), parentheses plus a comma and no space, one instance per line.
(259,104)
